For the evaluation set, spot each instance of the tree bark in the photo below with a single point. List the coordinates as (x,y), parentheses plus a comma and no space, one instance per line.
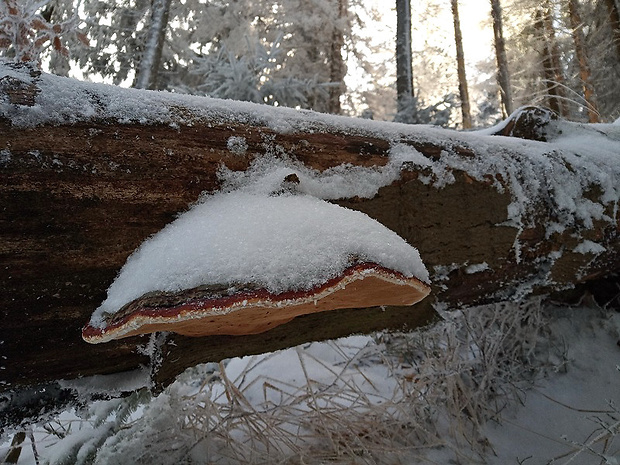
(404,70)
(338,68)
(582,60)
(552,67)
(146,77)
(503,72)
(460,62)
(80,192)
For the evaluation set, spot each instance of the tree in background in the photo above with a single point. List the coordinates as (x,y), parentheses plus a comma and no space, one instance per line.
(460,59)
(176,45)
(26,31)
(582,60)
(561,61)
(412,106)
(503,72)
(552,61)
(296,53)
(404,69)
(602,44)
(338,68)
(146,75)
(614,20)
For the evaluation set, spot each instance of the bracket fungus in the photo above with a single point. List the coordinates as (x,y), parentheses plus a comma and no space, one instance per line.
(240,263)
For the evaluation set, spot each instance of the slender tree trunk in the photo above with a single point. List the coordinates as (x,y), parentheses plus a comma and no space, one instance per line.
(552,68)
(582,59)
(460,61)
(503,74)
(404,70)
(146,77)
(614,19)
(338,68)
(556,59)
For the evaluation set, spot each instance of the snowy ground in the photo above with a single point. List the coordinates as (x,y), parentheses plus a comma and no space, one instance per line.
(499,385)
(573,416)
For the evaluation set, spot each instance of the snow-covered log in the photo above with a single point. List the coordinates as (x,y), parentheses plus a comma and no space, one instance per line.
(90,171)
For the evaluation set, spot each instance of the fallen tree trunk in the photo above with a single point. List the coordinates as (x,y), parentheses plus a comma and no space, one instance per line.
(90,171)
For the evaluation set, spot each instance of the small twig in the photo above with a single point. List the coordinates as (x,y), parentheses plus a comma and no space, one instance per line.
(569,407)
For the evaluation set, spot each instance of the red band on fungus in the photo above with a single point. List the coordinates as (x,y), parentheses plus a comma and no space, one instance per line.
(210,311)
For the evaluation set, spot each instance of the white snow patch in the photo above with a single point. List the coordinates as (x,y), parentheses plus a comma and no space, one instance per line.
(265,176)
(237,145)
(110,384)
(477,268)
(5,157)
(406,153)
(573,416)
(588,246)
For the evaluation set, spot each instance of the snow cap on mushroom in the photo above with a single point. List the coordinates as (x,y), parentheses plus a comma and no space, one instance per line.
(238,258)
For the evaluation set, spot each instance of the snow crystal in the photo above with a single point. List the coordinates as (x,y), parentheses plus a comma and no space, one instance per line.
(281,243)
(237,145)
(5,157)
(477,268)
(589,247)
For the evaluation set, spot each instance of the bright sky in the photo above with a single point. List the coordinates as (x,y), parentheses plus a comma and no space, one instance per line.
(477,35)
(433,27)
(476,28)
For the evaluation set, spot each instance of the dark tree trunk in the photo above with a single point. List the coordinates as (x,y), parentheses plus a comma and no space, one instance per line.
(552,68)
(582,59)
(404,70)
(503,73)
(460,61)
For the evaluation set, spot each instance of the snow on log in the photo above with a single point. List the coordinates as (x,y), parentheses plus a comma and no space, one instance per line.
(90,171)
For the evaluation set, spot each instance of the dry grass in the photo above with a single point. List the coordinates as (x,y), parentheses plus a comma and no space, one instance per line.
(395,400)
(446,382)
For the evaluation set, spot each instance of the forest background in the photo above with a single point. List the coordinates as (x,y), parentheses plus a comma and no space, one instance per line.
(339,56)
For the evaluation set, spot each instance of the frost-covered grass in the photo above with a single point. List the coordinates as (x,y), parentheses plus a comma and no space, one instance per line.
(494,384)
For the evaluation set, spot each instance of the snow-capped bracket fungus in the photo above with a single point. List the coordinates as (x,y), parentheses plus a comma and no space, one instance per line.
(242,263)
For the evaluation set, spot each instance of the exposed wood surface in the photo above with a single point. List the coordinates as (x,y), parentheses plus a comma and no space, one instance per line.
(213,311)
(77,198)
